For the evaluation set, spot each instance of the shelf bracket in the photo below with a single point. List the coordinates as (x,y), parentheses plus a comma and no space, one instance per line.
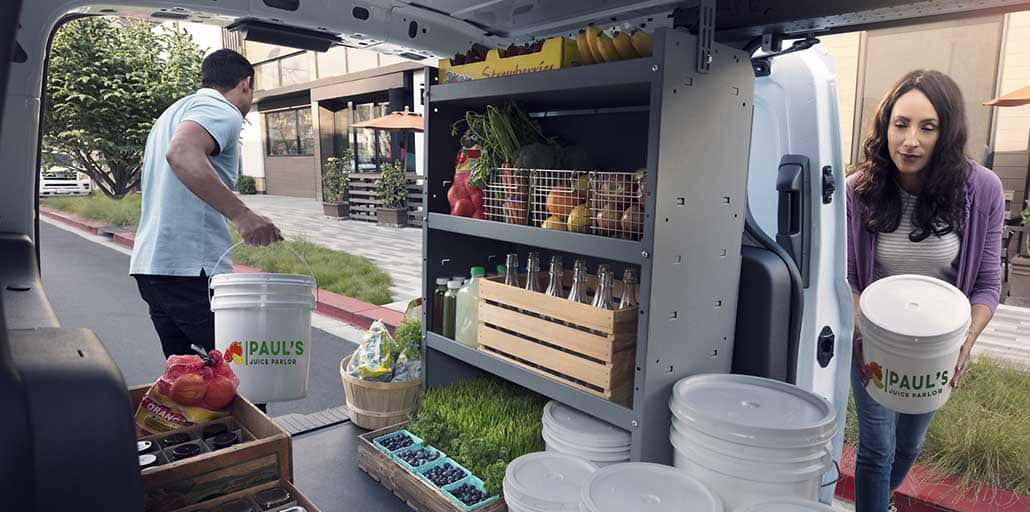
(705,34)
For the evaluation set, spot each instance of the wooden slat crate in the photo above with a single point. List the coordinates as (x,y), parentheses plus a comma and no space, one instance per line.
(264,455)
(363,202)
(420,495)
(585,347)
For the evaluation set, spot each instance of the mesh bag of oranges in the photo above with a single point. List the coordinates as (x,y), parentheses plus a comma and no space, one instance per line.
(194,389)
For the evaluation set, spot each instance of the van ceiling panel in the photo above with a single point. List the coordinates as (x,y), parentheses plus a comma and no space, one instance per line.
(741,19)
(736,19)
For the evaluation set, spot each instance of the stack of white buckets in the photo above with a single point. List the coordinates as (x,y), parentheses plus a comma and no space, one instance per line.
(751,439)
(568,431)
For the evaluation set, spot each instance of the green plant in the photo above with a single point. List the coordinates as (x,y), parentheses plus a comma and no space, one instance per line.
(246,185)
(119,212)
(408,336)
(482,423)
(336,271)
(499,133)
(392,187)
(335,176)
(108,80)
(1026,212)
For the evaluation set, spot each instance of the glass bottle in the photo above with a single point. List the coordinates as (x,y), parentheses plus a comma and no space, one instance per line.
(467,310)
(605,279)
(450,307)
(555,287)
(511,274)
(533,273)
(578,292)
(629,290)
(441,289)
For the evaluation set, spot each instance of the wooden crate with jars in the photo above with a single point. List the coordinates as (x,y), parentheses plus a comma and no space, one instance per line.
(580,329)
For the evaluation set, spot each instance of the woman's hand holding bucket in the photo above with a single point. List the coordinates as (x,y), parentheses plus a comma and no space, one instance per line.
(963,361)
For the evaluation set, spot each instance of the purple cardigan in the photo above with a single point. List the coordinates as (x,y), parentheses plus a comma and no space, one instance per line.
(979,272)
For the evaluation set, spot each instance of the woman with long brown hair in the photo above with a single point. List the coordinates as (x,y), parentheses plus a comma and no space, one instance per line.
(917,205)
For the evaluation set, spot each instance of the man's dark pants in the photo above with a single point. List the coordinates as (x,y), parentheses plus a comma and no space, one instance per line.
(180,308)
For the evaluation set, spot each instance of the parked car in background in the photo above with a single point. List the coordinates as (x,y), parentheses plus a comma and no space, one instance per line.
(61,181)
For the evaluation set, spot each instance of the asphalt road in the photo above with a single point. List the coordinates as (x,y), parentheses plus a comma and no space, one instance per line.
(88,286)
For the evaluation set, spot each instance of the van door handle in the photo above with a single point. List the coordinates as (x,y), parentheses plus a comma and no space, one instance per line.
(793,184)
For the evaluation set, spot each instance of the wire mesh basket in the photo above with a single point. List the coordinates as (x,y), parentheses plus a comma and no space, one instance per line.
(506,197)
(600,203)
(560,200)
(617,204)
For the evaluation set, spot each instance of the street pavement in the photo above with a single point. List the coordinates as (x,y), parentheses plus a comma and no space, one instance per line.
(88,285)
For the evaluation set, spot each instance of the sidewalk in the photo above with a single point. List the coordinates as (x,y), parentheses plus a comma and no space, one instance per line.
(397,251)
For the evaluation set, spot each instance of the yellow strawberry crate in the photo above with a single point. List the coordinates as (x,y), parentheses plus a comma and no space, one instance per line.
(557,53)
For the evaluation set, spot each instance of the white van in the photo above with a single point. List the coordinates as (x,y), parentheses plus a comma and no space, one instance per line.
(784,309)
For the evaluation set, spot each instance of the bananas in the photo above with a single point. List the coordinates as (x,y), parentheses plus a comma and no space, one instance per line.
(624,46)
(641,42)
(583,48)
(592,32)
(594,46)
(607,48)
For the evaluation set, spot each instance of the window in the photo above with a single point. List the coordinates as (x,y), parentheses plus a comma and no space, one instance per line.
(332,62)
(266,75)
(281,72)
(373,147)
(293,69)
(290,133)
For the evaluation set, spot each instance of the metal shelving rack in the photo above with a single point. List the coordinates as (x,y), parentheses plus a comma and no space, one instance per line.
(691,130)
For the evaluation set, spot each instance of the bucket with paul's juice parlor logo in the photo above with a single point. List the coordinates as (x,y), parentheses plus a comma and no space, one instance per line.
(263,328)
(913,328)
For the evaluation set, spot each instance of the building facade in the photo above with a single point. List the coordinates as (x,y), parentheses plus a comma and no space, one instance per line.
(987,56)
(305,105)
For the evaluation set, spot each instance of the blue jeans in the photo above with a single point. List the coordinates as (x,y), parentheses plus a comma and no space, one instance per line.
(888,444)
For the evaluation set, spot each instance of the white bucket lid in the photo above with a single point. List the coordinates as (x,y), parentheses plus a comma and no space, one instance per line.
(547,481)
(261,278)
(575,427)
(914,306)
(789,505)
(646,487)
(753,410)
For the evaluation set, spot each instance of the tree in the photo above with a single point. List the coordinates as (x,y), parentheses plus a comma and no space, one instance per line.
(107,83)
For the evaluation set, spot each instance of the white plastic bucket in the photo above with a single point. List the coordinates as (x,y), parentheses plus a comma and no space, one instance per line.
(573,426)
(645,487)
(789,505)
(546,482)
(263,323)
(749,438)
(913,328)
(567,430)
(599,457)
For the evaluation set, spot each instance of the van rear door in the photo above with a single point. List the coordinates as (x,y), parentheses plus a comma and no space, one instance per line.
(796,196)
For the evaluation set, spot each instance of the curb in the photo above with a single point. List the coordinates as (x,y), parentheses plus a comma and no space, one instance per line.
(82,223)
(926,490)
(349,310)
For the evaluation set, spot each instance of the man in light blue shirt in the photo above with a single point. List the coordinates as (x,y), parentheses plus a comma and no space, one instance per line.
(190,166)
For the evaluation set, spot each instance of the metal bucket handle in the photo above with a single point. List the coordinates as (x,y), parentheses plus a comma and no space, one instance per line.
(311,272)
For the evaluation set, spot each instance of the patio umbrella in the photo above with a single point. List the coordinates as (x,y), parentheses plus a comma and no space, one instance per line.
(397,121)
(1016,98)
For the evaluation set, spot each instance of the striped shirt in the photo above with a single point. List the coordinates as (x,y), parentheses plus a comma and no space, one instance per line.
(934,256)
